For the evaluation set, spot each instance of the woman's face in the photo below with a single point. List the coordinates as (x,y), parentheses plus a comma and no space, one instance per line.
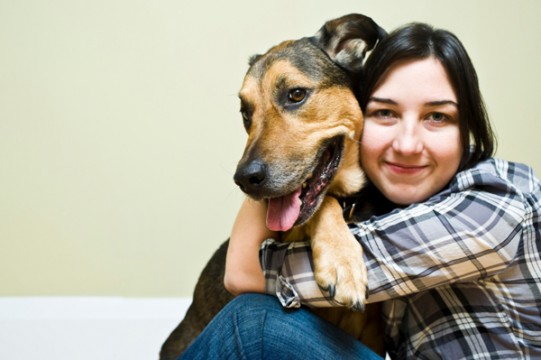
(410,147)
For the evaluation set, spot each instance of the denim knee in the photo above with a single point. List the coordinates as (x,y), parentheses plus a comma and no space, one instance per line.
(253,302)
(262,327)
(236,332)
(256,326)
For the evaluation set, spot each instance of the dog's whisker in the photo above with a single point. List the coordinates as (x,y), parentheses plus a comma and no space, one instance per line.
(358,141)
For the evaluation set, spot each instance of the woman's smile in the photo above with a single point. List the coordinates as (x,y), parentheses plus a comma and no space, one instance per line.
(411,146)
(405,169)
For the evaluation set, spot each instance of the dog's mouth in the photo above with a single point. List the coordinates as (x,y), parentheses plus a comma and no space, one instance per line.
(297,207)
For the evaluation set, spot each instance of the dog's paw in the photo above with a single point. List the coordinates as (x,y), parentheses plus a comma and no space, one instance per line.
(341,272)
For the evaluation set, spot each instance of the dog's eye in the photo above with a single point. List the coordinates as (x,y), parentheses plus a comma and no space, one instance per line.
(296,95)
(246,119)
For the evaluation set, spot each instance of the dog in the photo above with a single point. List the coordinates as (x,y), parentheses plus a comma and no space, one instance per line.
(300,110)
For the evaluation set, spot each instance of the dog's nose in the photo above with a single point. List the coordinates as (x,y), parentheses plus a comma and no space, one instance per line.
(251,176)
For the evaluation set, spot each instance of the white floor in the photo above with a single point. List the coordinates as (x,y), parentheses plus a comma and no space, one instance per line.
(78,328)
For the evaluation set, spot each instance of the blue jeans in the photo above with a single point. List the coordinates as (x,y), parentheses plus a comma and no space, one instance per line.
(256,326)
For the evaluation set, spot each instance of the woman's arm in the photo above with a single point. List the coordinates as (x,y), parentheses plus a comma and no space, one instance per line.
(466,236)
(242,268)
(470,231)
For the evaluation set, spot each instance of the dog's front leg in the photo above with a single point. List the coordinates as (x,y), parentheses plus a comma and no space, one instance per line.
(338,256)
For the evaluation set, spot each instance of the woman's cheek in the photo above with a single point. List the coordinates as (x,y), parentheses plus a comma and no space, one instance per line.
(373,139)
(371,149)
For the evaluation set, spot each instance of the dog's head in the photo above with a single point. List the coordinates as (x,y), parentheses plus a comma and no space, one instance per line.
(303,120)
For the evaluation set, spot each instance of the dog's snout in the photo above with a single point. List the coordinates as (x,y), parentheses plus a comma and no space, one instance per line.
(250,177)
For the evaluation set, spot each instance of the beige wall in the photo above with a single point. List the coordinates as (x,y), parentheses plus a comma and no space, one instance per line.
(119,125)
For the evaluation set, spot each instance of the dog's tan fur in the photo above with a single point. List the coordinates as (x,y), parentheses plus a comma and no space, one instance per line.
(280,137)
(288,142)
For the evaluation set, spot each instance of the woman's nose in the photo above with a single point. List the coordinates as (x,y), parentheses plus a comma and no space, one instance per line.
(408,141)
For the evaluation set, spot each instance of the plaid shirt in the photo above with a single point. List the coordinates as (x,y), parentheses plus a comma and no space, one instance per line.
(460,274)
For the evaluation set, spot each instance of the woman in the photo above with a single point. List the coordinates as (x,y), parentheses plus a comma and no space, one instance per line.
(457,263)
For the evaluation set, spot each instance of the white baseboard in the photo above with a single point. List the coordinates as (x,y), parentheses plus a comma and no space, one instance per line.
(84,328)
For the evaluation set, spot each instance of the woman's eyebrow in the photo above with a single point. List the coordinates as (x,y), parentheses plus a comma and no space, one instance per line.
(429,103)
(442,102)
(382,100)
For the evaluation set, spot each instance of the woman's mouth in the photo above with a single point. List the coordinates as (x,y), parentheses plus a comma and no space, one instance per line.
(405,169)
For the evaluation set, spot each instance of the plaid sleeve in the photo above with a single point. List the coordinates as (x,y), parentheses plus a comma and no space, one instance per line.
(289,274)
(469,231)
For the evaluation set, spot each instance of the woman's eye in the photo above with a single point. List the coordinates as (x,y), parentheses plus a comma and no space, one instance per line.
(296,95)
(382,116)
(437,117)
(384,113)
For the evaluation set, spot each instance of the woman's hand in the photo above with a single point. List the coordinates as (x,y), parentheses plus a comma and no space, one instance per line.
(242,268)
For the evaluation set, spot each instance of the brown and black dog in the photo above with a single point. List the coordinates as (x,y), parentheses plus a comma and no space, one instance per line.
(300,110)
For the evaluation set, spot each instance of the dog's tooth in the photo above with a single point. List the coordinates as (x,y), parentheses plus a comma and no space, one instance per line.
(304,185)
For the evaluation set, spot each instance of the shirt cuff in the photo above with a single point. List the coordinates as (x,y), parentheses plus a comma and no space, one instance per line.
(271,256)
(289,274)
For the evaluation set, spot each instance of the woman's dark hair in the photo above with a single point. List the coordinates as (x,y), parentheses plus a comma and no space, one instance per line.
(420,41)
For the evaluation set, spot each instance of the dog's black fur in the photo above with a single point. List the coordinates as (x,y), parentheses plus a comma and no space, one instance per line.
(210,295)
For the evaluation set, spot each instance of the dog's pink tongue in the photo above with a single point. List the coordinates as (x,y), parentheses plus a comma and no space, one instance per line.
(283,212)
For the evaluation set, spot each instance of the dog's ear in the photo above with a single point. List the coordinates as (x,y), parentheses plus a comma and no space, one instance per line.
(347,39)
(253,59)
